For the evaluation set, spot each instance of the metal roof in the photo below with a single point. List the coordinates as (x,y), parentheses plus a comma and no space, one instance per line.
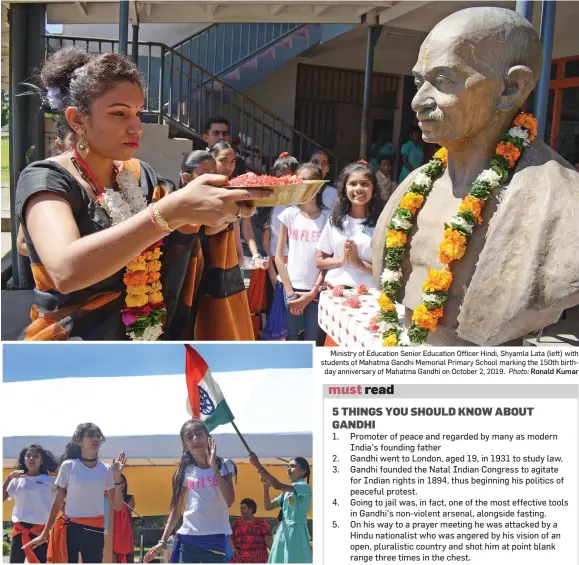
(209,11)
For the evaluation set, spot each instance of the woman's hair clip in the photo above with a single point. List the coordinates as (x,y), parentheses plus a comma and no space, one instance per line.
(54,98)
(363,162)
(284,154)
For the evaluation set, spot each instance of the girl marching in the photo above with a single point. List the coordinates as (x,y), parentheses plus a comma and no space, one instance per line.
(203,485)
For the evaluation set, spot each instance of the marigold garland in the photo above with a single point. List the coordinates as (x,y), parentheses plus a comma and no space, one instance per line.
(453,247)
(145,311)
(395,238)
(437,281)
(411,202)
(474,206)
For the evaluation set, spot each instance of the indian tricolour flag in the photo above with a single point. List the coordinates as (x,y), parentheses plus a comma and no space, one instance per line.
(205,397)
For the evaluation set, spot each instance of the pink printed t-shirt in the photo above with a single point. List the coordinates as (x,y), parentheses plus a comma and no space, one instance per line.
(303,236)
(206,512)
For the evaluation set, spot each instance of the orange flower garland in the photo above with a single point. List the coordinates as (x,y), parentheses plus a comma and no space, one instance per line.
(411,201)
(474,206)
(453,247)
(437,281)
(509,152)
(426,316)
(396,238)
(145,307)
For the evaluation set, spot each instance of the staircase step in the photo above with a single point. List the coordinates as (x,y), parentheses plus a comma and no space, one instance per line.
(286,42)
(251,64)
(267,54)
(233,75)
(301,32)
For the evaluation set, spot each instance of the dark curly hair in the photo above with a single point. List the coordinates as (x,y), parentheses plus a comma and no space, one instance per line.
(250,503)
(72,449)
(343,207)
(83,77)
(48,464)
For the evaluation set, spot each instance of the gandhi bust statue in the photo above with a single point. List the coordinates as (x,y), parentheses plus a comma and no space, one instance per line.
(474,72)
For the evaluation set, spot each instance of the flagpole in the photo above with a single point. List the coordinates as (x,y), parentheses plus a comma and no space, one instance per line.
(241,437)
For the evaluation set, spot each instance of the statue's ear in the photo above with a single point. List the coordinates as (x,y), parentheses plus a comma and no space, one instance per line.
(518,84)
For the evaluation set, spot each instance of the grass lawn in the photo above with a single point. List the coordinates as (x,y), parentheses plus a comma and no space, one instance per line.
(5,161)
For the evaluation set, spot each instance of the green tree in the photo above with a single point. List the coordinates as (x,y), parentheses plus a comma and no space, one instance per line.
(5,118)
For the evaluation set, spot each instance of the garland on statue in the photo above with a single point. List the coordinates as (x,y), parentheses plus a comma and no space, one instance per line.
(426,316)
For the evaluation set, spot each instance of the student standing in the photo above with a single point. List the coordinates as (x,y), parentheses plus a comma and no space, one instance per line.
(345,246)
(203,485)
(83,481)
(31,488)
(292,542)
(300,229)
(329,194)
(123,537)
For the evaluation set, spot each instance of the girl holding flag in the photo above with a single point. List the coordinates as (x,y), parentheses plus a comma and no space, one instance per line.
(203,483)
(292,539)
(31,488)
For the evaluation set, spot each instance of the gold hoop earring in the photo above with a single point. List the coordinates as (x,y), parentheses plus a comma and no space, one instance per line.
(82,146)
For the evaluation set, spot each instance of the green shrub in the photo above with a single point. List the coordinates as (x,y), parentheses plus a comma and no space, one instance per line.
(5,548)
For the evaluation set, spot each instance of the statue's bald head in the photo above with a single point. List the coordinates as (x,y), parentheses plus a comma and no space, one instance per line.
(495,38)
(474,71)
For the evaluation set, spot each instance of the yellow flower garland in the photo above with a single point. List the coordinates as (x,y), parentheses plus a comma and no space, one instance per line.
(453,246)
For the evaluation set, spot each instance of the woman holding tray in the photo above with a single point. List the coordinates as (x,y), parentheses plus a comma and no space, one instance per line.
(93,217)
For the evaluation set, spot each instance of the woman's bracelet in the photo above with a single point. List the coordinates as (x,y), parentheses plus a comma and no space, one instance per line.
(159,221)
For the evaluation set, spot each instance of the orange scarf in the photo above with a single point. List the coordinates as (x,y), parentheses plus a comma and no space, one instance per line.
(21,529)
(57,548)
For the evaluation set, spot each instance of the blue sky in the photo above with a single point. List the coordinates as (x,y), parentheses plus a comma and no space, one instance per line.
(37,361)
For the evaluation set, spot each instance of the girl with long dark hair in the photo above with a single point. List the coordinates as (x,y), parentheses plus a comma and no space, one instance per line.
(31,488)
(300,229)
(276,326)
(123,537)
(344,249)
(93,216)
(292,540)
(194,165)
(222,312)
(203,485)
(82,481)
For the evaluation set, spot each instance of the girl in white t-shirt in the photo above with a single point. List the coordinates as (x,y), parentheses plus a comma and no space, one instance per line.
(276,326)
(83,481)
(300,230)
(344,249)
(329,193)
(31,488)
(203,484)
